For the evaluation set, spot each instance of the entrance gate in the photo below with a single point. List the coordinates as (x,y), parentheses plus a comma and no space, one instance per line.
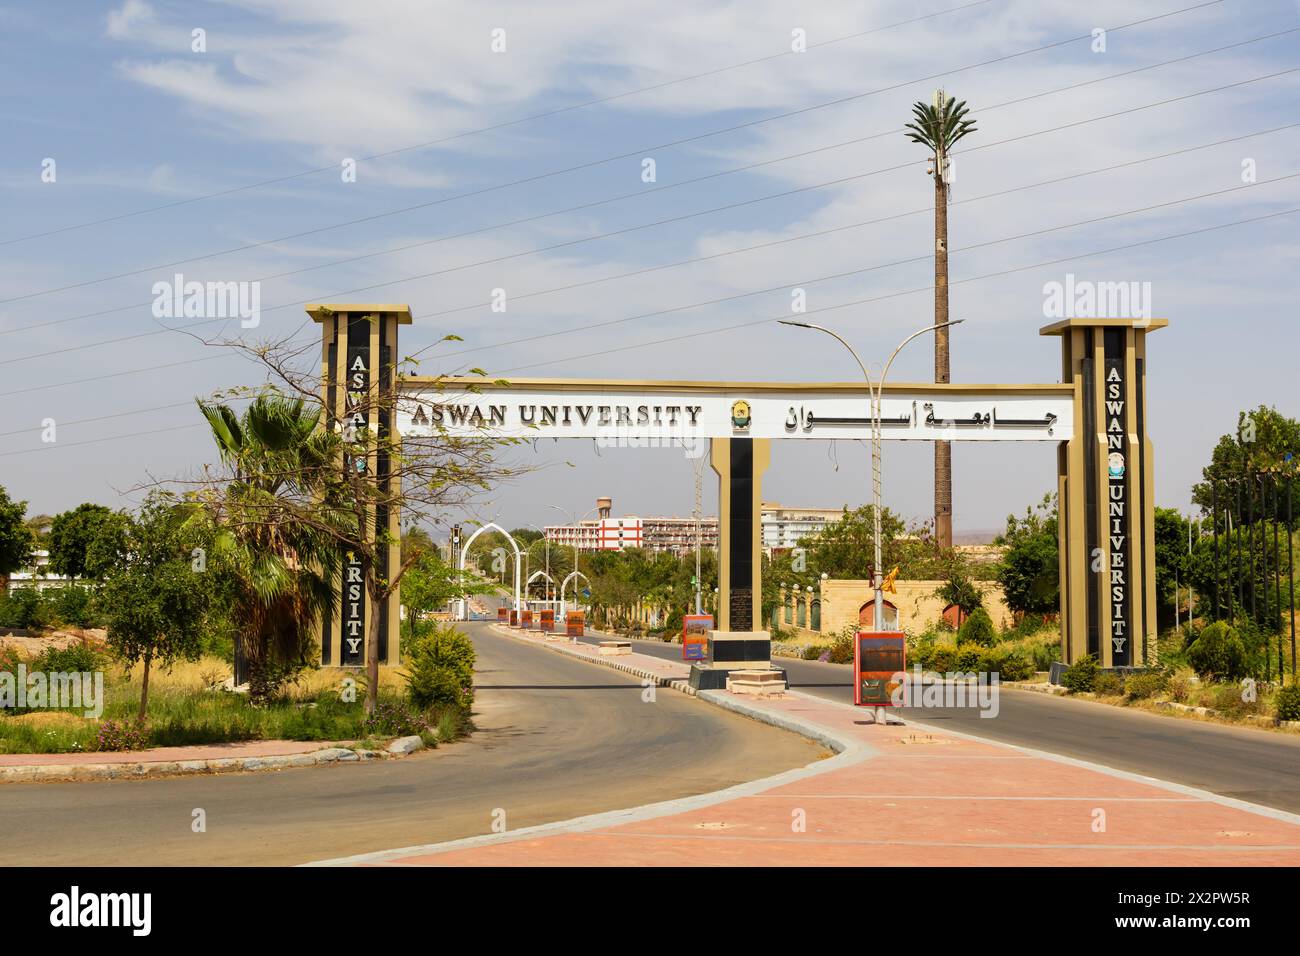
(1096,417)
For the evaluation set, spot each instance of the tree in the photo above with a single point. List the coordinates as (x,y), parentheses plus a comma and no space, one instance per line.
(958,589)
(525,536)
(154,602)
(16,540)
(844,548)
(1171,562)
(1264,440)
(359,470)
(430,583)
(938,127)
(39,526)
(279,570)
(86,541)
(1030,572)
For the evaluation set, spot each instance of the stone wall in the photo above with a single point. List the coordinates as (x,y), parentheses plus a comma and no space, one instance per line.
(840,603)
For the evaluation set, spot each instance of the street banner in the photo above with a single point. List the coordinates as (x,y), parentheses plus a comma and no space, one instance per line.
(528,619)
(548,620)
(503,614)
(878,662)
(514,618)
(695,636)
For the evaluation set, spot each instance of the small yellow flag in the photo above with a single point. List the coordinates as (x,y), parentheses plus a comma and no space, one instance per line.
(888,583)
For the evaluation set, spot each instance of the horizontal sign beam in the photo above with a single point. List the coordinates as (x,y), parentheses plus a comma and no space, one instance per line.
(675,411)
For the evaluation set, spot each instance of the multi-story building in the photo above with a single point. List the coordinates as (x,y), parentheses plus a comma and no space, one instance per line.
(782,528)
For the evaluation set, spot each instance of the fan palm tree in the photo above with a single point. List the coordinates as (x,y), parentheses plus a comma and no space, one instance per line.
(282,568)
(938,127)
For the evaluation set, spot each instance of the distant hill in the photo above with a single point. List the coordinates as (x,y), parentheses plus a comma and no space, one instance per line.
(976,536)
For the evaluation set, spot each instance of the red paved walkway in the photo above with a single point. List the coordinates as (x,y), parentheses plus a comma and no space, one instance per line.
(914,797)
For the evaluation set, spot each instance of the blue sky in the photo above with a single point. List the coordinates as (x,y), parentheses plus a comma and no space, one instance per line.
(135,120)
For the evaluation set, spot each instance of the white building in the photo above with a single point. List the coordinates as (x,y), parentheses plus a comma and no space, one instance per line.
(782,528)
(37,575)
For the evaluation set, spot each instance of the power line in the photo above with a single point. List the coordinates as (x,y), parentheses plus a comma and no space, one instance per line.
(638,194)
(777,242)
(608,159)
(885,265)
(914,259)
(100,418)
(894,295)
(756,322)
(672,219)
(99,378)
(502,125)
(92,441)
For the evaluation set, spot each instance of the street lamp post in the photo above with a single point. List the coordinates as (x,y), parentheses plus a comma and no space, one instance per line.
(874,392)
(575,521)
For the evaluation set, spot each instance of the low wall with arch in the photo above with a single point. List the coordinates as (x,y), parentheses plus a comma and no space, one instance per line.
(839,604)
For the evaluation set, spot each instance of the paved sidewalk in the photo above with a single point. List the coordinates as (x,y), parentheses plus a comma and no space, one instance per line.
(248,748)
(896,796)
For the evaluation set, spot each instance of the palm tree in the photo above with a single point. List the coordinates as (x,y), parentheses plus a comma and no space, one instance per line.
(282,568)
(938,127)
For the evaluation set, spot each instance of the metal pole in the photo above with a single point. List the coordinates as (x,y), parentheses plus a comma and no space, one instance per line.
(874,394)
(1189,581)
(1214,519)
(1290,571)
(1277,587)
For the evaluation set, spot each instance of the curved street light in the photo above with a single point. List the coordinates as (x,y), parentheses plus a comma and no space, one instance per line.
(874,391)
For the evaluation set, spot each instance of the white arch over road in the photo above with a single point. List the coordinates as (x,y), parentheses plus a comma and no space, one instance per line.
(463,612)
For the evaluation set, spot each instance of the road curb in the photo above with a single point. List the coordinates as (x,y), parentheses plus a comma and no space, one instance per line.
(135,770)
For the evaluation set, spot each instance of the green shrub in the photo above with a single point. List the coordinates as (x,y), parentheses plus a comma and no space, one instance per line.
(440,668)
(1042,656)
(811,652)
(941,658)
(1230,700)
(1180,684)
(122,735)
(1288,702)
(24,608)
(968,657)
(393,718)
(1218,652)
(978,629)
(842,646)
(1146,684)
(71,659)
(1081,676)
(74,605)
(1108,685)
(1007,664)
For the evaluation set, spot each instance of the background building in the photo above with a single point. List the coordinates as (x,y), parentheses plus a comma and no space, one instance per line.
(782,528)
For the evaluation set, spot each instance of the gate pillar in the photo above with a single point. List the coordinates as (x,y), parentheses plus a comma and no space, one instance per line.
(1105,484)
(358,346)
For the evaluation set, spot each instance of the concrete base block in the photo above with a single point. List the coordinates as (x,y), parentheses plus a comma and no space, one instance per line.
(615,648)
(756,683)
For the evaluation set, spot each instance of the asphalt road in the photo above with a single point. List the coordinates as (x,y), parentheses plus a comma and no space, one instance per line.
(1256,765)
(558,738)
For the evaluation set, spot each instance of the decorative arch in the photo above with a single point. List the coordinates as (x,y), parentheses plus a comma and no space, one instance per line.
(867,616)
(463,614)
(565,583)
